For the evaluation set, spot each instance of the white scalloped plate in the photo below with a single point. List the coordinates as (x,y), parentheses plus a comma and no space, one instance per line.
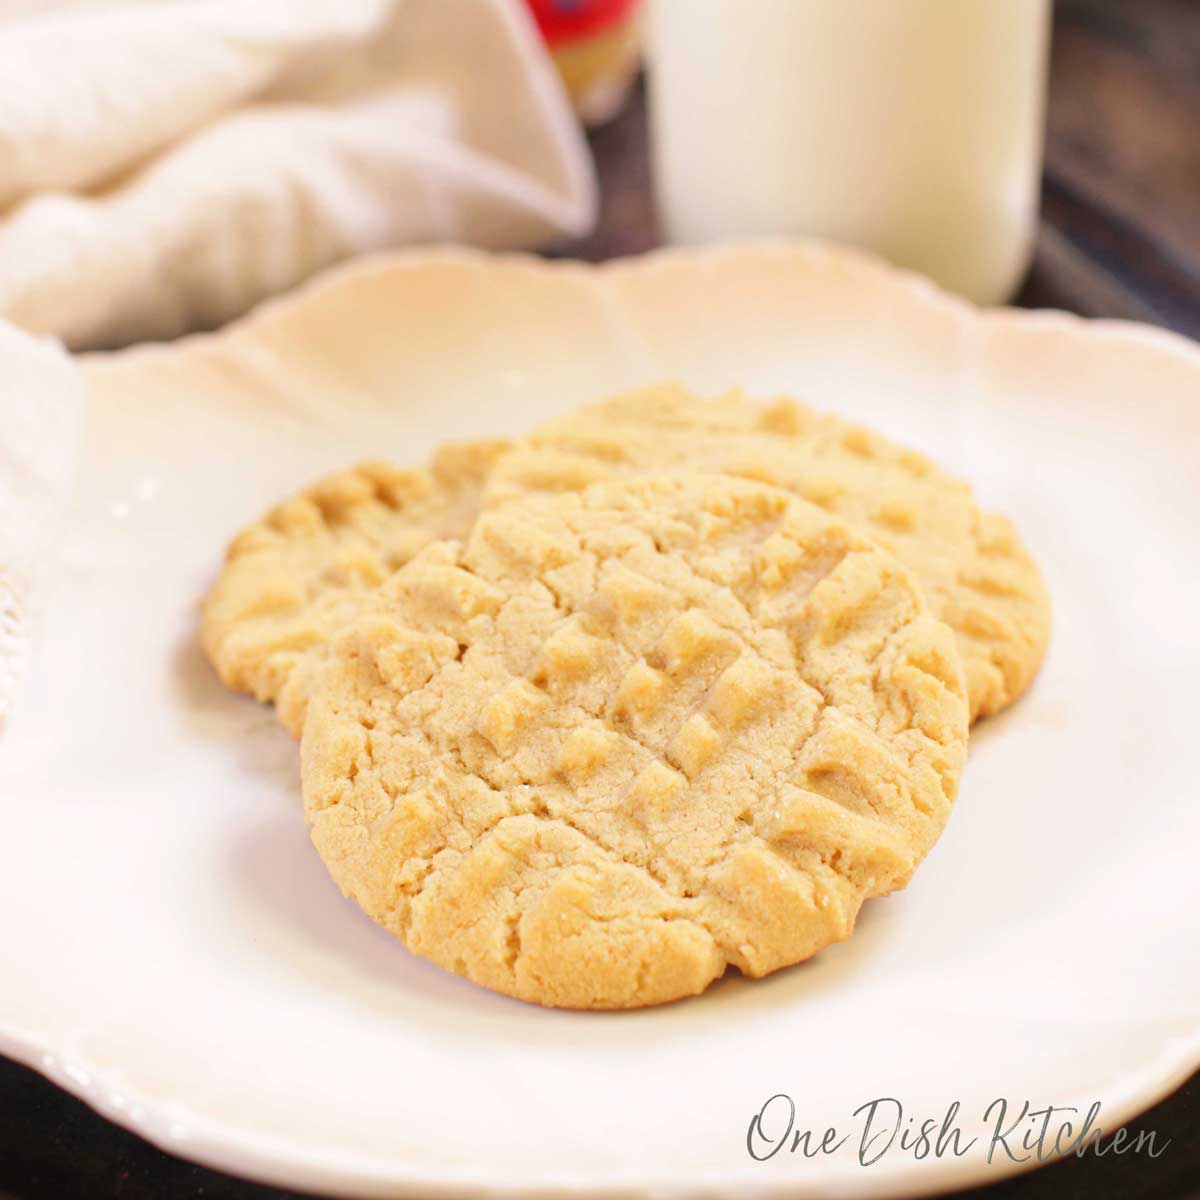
(175,954)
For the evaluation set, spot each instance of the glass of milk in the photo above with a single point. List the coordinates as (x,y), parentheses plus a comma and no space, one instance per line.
(910,127)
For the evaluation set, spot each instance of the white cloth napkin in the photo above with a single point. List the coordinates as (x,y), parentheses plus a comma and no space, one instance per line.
(164,166)
(41,408)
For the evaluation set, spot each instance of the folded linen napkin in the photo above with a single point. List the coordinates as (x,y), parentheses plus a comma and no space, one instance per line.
(41,411)
(164,166)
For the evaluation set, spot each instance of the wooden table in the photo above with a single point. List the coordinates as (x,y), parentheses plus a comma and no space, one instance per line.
(1120,237)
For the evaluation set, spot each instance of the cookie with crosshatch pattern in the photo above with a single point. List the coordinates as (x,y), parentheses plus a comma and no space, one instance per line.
(977,575)
(294,578)
(620,739)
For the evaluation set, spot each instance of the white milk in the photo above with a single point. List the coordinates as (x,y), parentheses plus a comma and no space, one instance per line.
(910,127)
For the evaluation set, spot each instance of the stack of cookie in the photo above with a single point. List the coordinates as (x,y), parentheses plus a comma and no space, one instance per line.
(666,685)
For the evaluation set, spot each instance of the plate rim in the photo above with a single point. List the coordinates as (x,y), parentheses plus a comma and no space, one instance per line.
(274,1161)
(318,288)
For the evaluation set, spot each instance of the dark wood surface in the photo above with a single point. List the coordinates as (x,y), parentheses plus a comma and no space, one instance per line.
(1120,237)
(1120,233)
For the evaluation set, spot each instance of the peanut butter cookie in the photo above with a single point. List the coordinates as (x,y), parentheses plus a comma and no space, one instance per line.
(620,739)
(977,575)
(293,579)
